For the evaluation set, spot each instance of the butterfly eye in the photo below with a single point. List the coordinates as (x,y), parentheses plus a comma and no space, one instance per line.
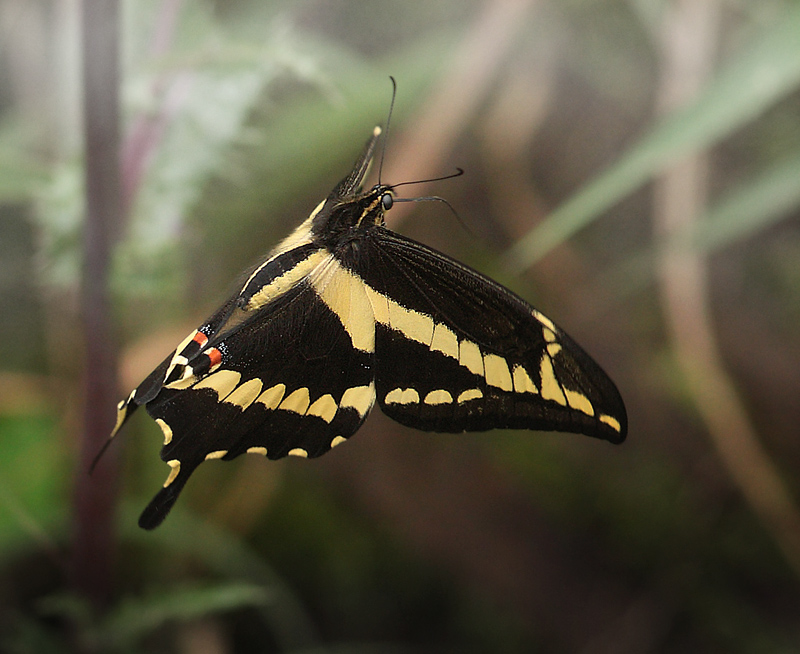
(387,201)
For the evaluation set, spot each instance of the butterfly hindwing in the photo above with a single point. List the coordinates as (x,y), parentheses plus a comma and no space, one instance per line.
(455,351)
(289,382)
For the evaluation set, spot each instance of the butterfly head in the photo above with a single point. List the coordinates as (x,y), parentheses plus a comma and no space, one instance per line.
(373,205)
(350,216)
(349,211)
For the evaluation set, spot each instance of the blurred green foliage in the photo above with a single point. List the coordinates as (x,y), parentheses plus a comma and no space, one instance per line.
(504,542)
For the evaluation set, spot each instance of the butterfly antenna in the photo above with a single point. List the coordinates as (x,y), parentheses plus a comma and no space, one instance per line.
(100,454)
(436,198)
(458,173)
(388,122)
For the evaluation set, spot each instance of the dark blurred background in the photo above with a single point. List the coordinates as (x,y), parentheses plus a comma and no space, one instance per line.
(632,168)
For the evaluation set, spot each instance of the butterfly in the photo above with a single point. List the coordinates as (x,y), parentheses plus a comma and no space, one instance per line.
(345,313)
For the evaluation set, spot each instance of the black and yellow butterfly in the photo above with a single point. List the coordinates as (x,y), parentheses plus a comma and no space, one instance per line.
(343,313)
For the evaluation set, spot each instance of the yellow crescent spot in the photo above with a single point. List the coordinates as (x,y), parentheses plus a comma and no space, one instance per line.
(611,422)
(272,397)
(324,407)
(222,382)
(440,396)
(360,398)
(471,394)
(166,429)
(176,468)
(245,394)
(296,402)
(402,396)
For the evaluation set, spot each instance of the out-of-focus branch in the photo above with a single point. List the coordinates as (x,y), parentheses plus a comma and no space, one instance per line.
(689,41)
(93,544)
(147,128)
(464,85)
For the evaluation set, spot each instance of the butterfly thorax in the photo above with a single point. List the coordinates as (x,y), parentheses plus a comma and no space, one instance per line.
(351,217)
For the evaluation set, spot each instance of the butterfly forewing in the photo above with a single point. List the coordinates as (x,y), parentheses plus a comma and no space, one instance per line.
(456,351)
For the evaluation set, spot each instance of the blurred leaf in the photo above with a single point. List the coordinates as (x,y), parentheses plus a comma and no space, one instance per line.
(21,175)
(135,618)
(297,141)
(358,648)
(750,207)
(32,480)
(225,554)
(29,635)
(650,12)
(756,79)
(209,93)
(59,217)
(308,144)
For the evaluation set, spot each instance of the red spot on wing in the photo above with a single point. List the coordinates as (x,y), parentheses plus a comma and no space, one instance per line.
(214,356)
(200,338)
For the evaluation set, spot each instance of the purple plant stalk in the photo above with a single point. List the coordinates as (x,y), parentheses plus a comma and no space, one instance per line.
(147,129)
(95,496)
(113,173)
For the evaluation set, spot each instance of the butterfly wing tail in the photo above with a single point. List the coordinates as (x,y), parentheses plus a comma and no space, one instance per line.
(163,501)
(142,394)
(124,411)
